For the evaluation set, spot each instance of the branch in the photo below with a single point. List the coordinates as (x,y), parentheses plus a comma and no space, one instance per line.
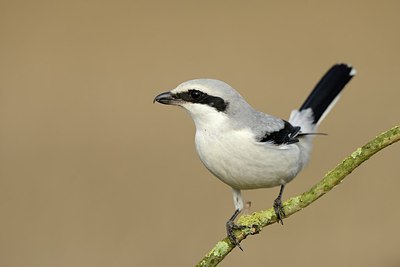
(255,222)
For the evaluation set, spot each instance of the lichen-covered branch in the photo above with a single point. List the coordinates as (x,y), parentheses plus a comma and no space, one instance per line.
(255,222)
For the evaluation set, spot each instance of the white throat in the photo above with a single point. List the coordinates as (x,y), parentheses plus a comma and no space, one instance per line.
(206,118)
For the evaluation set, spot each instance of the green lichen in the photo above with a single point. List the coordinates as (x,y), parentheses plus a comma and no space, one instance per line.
(256,219)
(220,248)
(356,153)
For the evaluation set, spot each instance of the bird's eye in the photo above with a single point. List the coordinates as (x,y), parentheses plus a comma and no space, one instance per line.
(195,94)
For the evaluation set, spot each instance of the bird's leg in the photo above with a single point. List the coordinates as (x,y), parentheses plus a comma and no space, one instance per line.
(231,227)
(280,213)
(230,224)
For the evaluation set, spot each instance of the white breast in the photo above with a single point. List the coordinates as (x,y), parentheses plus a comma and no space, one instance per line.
(237,159)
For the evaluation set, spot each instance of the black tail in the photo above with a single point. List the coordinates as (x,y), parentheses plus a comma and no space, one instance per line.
(327,89)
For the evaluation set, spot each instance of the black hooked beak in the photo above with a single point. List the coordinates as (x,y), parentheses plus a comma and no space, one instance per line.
(166,98)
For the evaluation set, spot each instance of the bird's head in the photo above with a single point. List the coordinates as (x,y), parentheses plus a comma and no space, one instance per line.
(206,100)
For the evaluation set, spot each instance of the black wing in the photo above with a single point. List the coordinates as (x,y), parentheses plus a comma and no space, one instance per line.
(287,135)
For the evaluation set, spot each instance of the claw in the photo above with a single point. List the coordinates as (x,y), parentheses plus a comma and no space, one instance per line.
(280,213)
(231,227)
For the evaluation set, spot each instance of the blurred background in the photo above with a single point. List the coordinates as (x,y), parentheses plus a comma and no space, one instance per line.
(93,174)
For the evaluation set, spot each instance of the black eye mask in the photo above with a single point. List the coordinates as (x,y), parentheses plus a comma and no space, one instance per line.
(196,96)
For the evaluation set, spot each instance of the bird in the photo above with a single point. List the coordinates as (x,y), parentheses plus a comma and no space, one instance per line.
(248,149)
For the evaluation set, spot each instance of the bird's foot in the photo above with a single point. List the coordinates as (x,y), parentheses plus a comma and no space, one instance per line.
(230,228)
(280,213)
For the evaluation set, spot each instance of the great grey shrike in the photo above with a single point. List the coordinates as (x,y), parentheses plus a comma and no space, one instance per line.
(248,149)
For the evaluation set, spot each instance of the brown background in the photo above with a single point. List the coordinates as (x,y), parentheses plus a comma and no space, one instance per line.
(93,174)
